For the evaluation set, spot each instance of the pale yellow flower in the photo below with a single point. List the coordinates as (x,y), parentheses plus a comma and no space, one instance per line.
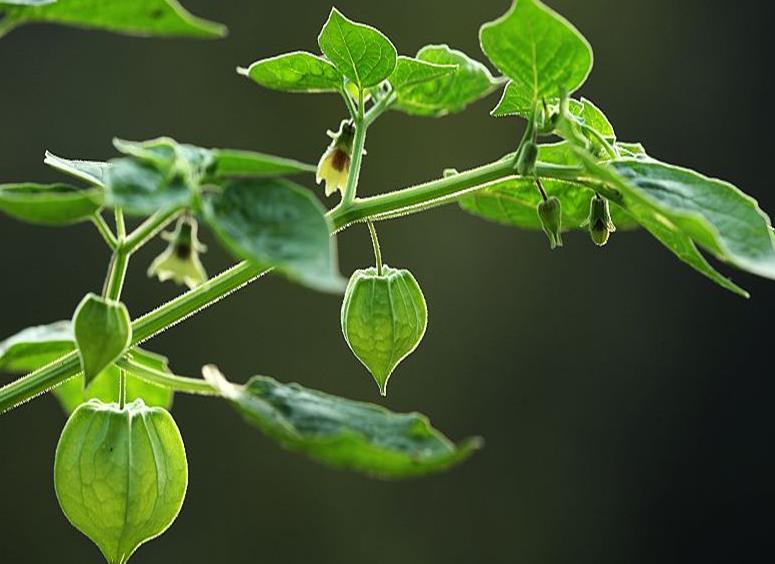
(180,261)
(334,165)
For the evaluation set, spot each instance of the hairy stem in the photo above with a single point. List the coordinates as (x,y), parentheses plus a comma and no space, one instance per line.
(377,250)
(104,230)
(391,204)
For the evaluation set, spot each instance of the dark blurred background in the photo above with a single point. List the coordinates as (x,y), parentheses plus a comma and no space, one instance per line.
(626,401)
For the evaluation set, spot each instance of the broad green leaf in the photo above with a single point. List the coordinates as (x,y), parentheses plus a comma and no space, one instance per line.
(715,214)
(360,52)
(384,317)
(140,188)
(539,50)
(166,154)
(295,72)
(103,332)
(120,474)
(35,347)
(232,163)
(692,210)
(343,433)
(410,72)
(423,89)
(49,204)
(276,223)
(514,201)
(93,172)
(166,18)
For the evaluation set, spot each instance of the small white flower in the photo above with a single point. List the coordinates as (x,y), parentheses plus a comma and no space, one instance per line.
(180,261)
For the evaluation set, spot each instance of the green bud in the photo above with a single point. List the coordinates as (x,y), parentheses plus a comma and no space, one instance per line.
(550,214)
(600,224)
(526,159)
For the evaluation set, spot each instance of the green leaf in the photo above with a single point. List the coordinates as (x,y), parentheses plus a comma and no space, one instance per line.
(144,18)
(425,86)
(139,188)
(715,214)
(592,116)
(295,72)
(35,347)
(103,332)
(384,317)
(93,172)
(276,223)
(49,204)
(232,163)
(514,201)
(360,52)
(27,2)
(410,72)
(343,433)
(120,474)
(684,210)
(539,50)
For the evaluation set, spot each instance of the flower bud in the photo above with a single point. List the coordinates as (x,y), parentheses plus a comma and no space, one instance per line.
(600,224)
(334,165)
(526,160)
(180,261)
(550,214)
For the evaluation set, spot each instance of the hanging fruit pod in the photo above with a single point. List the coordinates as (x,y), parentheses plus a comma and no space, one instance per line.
(384,317)
(120,474)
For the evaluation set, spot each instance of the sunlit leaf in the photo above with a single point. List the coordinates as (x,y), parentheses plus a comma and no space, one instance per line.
(295,72)
(49,204)
(343,433)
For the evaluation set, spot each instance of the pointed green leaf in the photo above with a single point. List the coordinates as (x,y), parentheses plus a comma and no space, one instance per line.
(93,172)
(103,332)
(276,223)
(683,209)
(539,50)
(49,204)
(233,163)
(715,214)
(360,52)
(120,474)
(423,89)
(592,116)
(166,18)
(295,72)
(343,433)
(139,188)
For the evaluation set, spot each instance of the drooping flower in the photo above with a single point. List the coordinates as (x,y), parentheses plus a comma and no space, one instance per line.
(334,165)
(550,214)
(180,261)
(600,223)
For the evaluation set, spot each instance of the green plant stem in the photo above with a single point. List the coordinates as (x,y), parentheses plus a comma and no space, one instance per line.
(375,244)
(121,388)
(602,140)
(357,157)
(400,202)
(172,381)
(149,229)
(114,283)
(104,230)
